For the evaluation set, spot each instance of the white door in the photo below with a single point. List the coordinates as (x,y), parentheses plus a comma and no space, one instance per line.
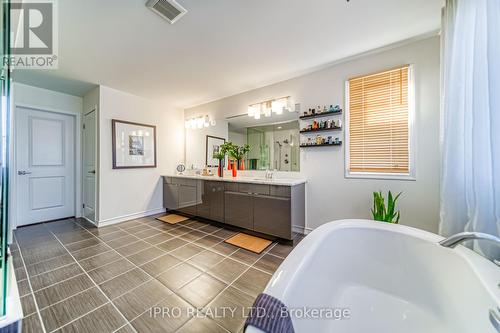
(89,182)
(45,162)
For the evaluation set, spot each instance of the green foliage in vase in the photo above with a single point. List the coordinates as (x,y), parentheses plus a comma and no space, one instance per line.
(381,212)
(234,151)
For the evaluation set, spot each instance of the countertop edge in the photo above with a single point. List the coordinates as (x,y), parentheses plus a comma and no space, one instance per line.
(278,182)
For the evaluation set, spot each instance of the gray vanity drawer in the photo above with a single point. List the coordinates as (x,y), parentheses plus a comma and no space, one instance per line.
(233,187)
(184,182)
(281,191)
(254,188)
(167,180)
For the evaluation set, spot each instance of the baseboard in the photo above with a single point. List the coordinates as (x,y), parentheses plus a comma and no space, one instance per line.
(119,219)
(90,221)
(301,230)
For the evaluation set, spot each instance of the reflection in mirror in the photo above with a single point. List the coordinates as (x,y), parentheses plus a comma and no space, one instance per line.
(272,146)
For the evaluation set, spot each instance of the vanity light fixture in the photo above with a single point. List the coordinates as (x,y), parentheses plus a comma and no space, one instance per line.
(267,108)
(199,122)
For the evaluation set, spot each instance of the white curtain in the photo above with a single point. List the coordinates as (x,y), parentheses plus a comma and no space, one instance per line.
(470,169)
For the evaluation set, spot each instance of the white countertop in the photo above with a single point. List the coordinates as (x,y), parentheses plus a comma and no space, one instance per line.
(252,180)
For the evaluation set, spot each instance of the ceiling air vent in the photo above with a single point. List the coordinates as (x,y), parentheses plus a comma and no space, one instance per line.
(168,9)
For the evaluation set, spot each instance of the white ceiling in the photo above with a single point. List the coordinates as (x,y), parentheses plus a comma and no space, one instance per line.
(220,47)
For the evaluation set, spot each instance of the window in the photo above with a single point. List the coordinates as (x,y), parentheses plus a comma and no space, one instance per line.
(379,125)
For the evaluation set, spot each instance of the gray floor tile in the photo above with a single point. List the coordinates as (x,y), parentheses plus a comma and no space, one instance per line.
(281,250)
(47,279)
(206,260)
(126,329)
(201,290)
(233,299)
(82,244)
(252,281)
(20,273)
(99,260)
(70,309)
(160,265)
(245,256)
(114,235)
(122,241)
(208,241)
(60,291)
(205,325)
(268,263)
(178,276)
(146,255)
(109,271)
(105,319)
(24,288)
(193,235)
(28,305)
(49,265)
(36,255)
(132,248)
(90,251)
(164,322)
(74,236)
(32,324)
(172,244)
(228,270)
(124,283)
(187,251)
(146,233)
(103,230)
(159,238)
(142,298)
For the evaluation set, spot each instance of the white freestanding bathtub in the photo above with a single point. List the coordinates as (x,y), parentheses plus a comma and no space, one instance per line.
(383,278)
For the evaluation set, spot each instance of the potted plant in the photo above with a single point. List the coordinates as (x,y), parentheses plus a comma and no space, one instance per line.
(226,148)
(220,155)
(382,213)
(238,153)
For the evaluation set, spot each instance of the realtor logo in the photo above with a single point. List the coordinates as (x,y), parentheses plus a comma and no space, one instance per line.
(34,35)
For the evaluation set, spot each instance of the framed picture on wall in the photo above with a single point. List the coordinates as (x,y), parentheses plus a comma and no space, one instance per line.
(134,145)
(213,145)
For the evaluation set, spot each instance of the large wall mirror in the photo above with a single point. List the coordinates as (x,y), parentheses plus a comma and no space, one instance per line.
(273,140)
(274,145)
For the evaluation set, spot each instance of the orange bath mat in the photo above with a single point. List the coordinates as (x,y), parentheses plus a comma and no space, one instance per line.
(250,243)
(173,218)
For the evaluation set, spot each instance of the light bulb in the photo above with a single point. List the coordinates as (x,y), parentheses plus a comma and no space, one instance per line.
(251,111)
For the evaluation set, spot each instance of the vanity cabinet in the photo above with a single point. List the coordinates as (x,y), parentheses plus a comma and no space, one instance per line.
(267,209)
(272,216)
(180,194)
(211,200)
(239,209)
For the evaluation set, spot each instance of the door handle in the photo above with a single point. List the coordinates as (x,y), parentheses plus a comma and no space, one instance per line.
(92,172)
(23,173)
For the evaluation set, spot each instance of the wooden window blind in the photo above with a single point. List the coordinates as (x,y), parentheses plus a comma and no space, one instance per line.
(378,122)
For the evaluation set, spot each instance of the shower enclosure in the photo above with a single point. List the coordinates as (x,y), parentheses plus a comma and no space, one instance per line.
(274,147)
(4,144)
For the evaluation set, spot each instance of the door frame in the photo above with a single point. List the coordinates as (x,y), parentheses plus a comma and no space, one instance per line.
(96,161)
(13,159)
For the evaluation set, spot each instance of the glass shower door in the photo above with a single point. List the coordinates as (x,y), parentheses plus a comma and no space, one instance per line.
(4,144)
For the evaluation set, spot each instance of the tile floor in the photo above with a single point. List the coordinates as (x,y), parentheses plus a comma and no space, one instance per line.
(73,277)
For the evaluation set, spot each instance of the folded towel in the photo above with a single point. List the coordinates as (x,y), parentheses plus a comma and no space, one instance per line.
(270,315)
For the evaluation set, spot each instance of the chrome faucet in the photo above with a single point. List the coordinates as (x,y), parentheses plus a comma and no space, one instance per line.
(456,239)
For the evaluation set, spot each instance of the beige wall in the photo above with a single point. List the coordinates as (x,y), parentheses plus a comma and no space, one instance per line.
(130,193)
(330,196)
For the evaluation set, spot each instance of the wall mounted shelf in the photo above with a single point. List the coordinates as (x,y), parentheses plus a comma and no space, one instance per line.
(322,145)
(323,114)
(321,130)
